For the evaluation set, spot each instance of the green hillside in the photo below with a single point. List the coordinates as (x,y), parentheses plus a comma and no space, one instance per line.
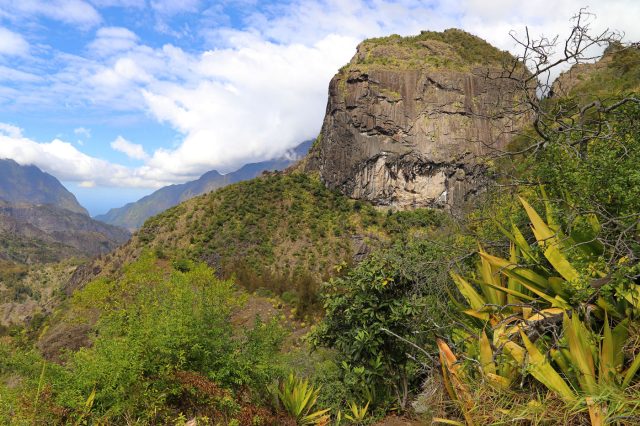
(452,49)
(133,215)
(276,301)
(282,232)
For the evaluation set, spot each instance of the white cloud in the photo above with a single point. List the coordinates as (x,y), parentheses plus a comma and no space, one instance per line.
(13,75)
(130,149)
(77,12)
(65,162)
(10,130)
(173,7)
(266,91)
(247,104)
(119,3)
(12,43)
(110,40)
(81,131)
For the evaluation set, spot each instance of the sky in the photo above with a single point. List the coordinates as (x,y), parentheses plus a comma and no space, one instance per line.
(117,98)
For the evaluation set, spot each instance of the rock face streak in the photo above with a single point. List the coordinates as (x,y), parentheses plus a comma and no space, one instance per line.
(408,119)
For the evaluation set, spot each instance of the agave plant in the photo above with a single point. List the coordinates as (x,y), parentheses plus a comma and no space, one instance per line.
(298,398)
(358,413)
(508,303)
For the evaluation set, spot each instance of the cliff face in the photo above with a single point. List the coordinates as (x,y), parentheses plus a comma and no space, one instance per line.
(408,118)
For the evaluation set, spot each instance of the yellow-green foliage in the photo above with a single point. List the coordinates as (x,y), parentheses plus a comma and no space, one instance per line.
(618,74)
(299,399)
(544,317)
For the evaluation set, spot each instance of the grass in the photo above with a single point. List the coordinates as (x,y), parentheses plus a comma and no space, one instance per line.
(619,75)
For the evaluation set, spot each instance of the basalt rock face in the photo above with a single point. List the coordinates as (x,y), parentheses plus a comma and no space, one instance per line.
(409,119)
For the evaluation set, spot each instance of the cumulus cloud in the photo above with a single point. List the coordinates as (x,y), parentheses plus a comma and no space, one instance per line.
(10,130)
(131,150)
(67,163)
(266,90)
(76,12)
(12,43)
(249,104)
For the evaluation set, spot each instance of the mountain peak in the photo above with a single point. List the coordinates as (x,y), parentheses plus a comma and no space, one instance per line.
(29,184)
(133,215)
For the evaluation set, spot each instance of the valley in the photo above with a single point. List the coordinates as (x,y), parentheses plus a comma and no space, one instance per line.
(459,245)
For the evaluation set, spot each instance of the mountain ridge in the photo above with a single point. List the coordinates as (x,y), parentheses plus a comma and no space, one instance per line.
(133,215)
(29,184)
(47,225)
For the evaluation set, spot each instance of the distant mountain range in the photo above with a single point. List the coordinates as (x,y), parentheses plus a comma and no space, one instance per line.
(29,184)
(133,215)
(41,221)
(32,233)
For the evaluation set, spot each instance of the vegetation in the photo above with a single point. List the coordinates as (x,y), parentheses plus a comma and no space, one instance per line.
(450,49)
(163,346)
(299,400)
(523,309)
(24,250)
(382,310)
(282,233)
(27,290)
(543,327)
(520,314)
(617,74)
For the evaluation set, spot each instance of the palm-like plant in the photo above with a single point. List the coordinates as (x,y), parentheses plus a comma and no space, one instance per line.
(517,305)
(299,398)
(358,413)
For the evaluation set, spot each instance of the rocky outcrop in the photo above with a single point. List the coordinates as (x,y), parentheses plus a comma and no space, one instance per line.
(409,120)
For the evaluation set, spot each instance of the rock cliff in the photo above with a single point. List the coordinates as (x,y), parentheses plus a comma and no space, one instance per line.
(408,119)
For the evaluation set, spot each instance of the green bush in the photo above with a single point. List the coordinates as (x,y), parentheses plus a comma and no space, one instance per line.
(155,325)
(377,313)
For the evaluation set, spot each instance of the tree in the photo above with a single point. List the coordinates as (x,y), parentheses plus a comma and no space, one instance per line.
(380,316)
(583,141)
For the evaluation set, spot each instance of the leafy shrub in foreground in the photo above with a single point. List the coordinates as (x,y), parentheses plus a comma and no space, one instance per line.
(547,312)
(157,327)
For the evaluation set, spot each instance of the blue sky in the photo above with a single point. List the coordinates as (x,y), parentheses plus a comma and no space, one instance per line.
(117,98)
